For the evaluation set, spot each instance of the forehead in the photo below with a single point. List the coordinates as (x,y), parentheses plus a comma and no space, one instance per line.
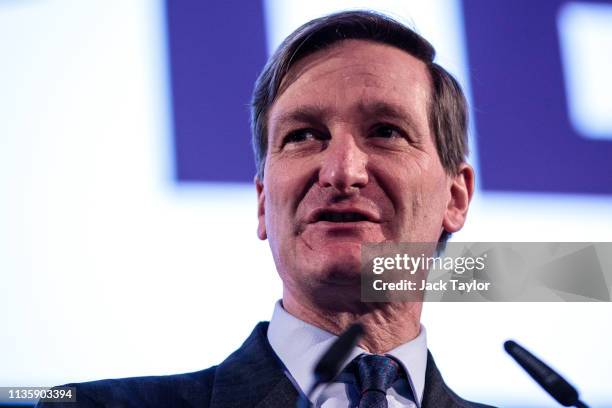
(358,73)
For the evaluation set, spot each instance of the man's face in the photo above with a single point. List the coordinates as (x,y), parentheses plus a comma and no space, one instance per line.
(351,160)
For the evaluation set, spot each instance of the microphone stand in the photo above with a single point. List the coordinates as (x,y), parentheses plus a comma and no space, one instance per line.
(329,365)
(549,379)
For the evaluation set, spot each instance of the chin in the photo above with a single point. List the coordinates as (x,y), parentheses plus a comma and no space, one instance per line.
(338,288)
(330,277)
(338,268)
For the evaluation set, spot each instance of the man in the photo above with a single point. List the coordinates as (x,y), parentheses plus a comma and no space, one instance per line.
(358,137)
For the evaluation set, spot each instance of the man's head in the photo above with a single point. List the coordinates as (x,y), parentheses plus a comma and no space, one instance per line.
(447,108)
(359,137)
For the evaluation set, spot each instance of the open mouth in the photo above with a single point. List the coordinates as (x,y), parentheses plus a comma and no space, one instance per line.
(341,217)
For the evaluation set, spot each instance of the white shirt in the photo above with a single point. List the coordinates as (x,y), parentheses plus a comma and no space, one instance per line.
(299,345)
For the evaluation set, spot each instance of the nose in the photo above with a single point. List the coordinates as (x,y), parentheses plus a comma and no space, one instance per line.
(344,164)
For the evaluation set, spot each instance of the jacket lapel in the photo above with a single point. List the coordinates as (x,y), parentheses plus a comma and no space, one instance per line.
(253,376)
(437,394)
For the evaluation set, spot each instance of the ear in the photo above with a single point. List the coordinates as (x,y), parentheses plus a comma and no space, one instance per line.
(461,192)
(261,209)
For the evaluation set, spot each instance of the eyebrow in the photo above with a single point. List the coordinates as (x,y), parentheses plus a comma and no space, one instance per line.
(309,113)
(317,114)
(303,114)
(386,110)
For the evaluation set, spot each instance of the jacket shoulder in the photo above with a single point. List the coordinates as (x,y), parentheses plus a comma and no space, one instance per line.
(438,394)
(179,390)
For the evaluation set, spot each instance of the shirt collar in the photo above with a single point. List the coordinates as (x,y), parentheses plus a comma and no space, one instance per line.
(299,345)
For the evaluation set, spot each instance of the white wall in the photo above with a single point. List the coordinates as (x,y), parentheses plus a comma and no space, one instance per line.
(111,269)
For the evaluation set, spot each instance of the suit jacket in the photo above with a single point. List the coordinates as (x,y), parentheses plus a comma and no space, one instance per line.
(252,376)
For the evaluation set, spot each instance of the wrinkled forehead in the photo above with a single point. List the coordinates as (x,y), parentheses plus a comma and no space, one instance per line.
(359,77)
(353,56)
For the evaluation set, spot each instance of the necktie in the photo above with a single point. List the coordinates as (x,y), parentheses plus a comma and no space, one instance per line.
(375,375)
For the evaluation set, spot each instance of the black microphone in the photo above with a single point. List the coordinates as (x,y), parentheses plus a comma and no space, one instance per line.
(548,379)
(330,363)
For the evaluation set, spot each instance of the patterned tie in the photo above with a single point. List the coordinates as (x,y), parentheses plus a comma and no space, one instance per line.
(375,375)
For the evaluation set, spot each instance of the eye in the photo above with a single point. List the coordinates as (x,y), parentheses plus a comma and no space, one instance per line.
(387,132)
(301,135)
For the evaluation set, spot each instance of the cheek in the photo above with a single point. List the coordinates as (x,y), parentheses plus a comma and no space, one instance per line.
(430,205)
(419,193)
(284,187)
(403,181)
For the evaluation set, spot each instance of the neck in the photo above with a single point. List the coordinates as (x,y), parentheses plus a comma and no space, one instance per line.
(387,325)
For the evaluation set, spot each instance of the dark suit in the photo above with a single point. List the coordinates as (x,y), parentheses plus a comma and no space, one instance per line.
(252,376)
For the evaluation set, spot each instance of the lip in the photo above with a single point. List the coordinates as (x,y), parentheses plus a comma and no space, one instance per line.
(370,216)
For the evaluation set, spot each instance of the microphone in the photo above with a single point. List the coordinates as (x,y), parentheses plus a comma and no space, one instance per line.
(550,380)
(330,363)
